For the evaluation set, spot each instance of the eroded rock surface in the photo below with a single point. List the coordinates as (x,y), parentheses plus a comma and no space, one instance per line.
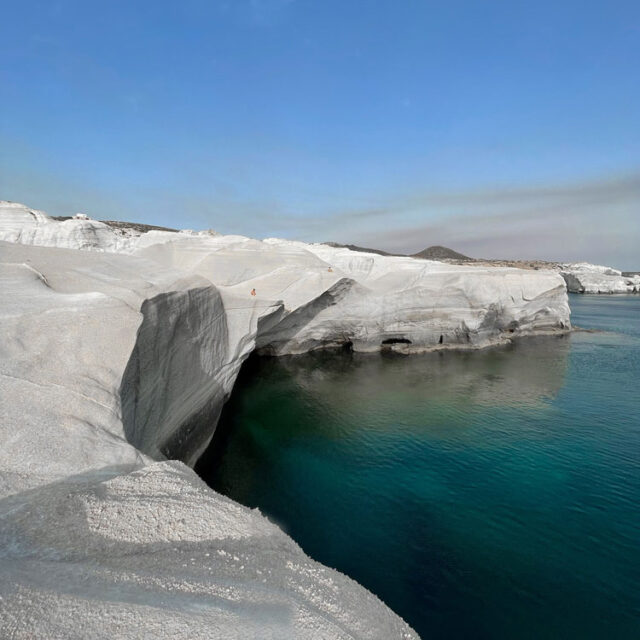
(582,277)
(118,352)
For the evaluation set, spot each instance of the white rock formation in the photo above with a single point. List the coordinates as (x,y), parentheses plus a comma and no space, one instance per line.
(120,356)
(20,224)
(582,277)
(108,362)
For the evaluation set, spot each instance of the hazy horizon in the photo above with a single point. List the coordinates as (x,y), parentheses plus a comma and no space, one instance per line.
(502,131)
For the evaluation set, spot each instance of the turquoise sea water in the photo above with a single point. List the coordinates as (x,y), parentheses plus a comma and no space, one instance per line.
(490,494)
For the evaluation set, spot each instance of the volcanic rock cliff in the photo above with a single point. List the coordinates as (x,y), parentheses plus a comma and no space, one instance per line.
(118,352)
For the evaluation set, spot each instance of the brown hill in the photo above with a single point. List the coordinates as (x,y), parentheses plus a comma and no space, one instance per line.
(441,253)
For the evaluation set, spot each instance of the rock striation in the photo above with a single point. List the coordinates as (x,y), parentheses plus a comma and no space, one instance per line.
(119,349)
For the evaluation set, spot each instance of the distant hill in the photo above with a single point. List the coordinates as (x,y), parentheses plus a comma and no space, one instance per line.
(137,226)
(441,253)
(118,224)
(354,247)
(431,253)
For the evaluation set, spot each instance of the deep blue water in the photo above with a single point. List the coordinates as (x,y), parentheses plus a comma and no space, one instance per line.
(490,494)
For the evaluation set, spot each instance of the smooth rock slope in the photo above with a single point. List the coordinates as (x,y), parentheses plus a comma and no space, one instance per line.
(118,352)
(110,362)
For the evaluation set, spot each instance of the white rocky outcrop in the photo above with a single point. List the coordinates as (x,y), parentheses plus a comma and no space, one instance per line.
(582,277)
(118,357)
(109,364)
(332,297)
(587,267)
(21,224)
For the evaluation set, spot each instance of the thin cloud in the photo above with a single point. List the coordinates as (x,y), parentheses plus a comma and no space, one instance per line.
(597,221)
(627,187)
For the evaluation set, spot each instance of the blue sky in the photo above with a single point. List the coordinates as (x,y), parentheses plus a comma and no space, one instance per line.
(504,129)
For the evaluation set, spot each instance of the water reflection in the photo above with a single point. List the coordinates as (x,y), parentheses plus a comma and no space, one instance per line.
(530,371)
(472,491)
